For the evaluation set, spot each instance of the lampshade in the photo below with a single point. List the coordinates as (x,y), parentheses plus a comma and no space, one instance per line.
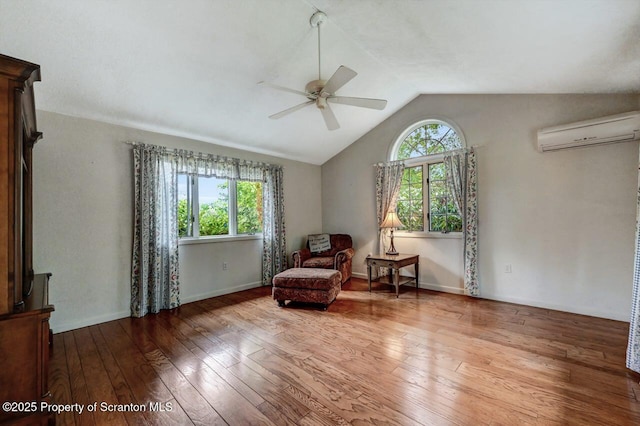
(391,221)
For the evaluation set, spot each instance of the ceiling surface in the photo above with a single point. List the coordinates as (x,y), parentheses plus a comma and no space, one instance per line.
(190,68)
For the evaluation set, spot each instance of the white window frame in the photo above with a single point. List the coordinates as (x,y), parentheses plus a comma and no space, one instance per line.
(425,161)
(232,234)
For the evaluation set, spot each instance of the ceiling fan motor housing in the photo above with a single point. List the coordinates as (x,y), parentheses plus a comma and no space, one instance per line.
(315,88)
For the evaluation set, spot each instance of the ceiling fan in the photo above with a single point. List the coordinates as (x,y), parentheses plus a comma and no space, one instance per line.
(322,92)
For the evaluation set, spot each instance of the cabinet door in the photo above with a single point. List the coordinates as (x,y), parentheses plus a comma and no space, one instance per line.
(20,351)
(18,133)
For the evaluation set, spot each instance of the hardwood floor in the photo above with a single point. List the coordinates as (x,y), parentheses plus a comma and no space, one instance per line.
(424,358)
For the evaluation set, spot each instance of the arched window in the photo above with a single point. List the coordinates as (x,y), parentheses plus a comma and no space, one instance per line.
(424,202)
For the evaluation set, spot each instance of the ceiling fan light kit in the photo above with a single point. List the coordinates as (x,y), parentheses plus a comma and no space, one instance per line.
(320,92)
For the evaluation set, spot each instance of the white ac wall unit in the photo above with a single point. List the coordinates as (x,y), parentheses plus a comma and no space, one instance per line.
(614,128)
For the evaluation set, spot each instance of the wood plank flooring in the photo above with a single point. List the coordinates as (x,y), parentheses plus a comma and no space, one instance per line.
(425,358)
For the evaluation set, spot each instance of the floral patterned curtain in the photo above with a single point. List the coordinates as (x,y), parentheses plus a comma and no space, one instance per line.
(154,275)
(388,179)
(461,171)
(154,283)
(274,250)
(633,348)
(208,165)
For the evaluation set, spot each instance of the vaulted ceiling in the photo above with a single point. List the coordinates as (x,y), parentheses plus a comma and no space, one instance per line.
(191,67)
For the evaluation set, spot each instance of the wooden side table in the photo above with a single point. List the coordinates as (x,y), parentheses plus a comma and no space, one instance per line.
(394,263)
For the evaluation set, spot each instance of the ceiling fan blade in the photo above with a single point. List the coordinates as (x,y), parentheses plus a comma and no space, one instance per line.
(359,102)
(329,118)
(285,89)
(290,110)
(342,76)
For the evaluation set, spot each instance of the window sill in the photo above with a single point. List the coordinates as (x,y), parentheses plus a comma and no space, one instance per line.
(449,235)
(217,239)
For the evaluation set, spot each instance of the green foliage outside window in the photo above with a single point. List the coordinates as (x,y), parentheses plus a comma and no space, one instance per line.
(429,139)
(432,138)
(183,218)
(443,215)
(249,202)
(410,202)
(214,217)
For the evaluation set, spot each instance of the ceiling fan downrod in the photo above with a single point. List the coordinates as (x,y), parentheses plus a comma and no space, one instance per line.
(316,20)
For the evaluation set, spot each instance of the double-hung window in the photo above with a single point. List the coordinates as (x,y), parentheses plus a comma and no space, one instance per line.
(424,202)
(209,206)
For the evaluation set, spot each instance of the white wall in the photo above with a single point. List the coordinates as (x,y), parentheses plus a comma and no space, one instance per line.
(563,220)
(83,220)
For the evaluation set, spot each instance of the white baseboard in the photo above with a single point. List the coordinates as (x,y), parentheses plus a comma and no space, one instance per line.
(580,310)
(219,292)
(442,288)
(426,286)
(86,322)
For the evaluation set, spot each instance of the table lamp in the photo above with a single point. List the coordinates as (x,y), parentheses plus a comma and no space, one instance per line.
(391,221)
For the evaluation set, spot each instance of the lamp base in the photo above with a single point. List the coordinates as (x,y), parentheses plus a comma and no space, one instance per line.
(392,250)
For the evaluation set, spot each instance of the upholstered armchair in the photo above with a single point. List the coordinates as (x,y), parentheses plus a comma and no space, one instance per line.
(338,257)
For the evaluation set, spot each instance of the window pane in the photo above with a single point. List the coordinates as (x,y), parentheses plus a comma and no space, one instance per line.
(437,172)
(414,145)
(213,197)
(416,222)
(438,205)
(443,215)
(454,223)
(184,206)
(410,199)
(414,193)
(438,189)
(433,138)
(249,207)
(438,222)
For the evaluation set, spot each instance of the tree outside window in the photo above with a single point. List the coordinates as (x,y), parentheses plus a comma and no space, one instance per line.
(424,179)
(208,206)
(249,207)
(410,200)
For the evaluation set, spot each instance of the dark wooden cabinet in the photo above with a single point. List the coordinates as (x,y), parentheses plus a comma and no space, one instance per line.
(24,301)
(24,358)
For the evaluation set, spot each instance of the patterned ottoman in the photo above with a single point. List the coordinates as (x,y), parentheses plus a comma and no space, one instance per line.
(312,285)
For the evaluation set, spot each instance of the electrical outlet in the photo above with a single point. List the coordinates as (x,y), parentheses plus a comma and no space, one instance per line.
(507,268)
(225,266)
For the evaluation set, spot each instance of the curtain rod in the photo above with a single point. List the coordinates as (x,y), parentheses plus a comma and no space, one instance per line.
(203,154)
(381,163)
